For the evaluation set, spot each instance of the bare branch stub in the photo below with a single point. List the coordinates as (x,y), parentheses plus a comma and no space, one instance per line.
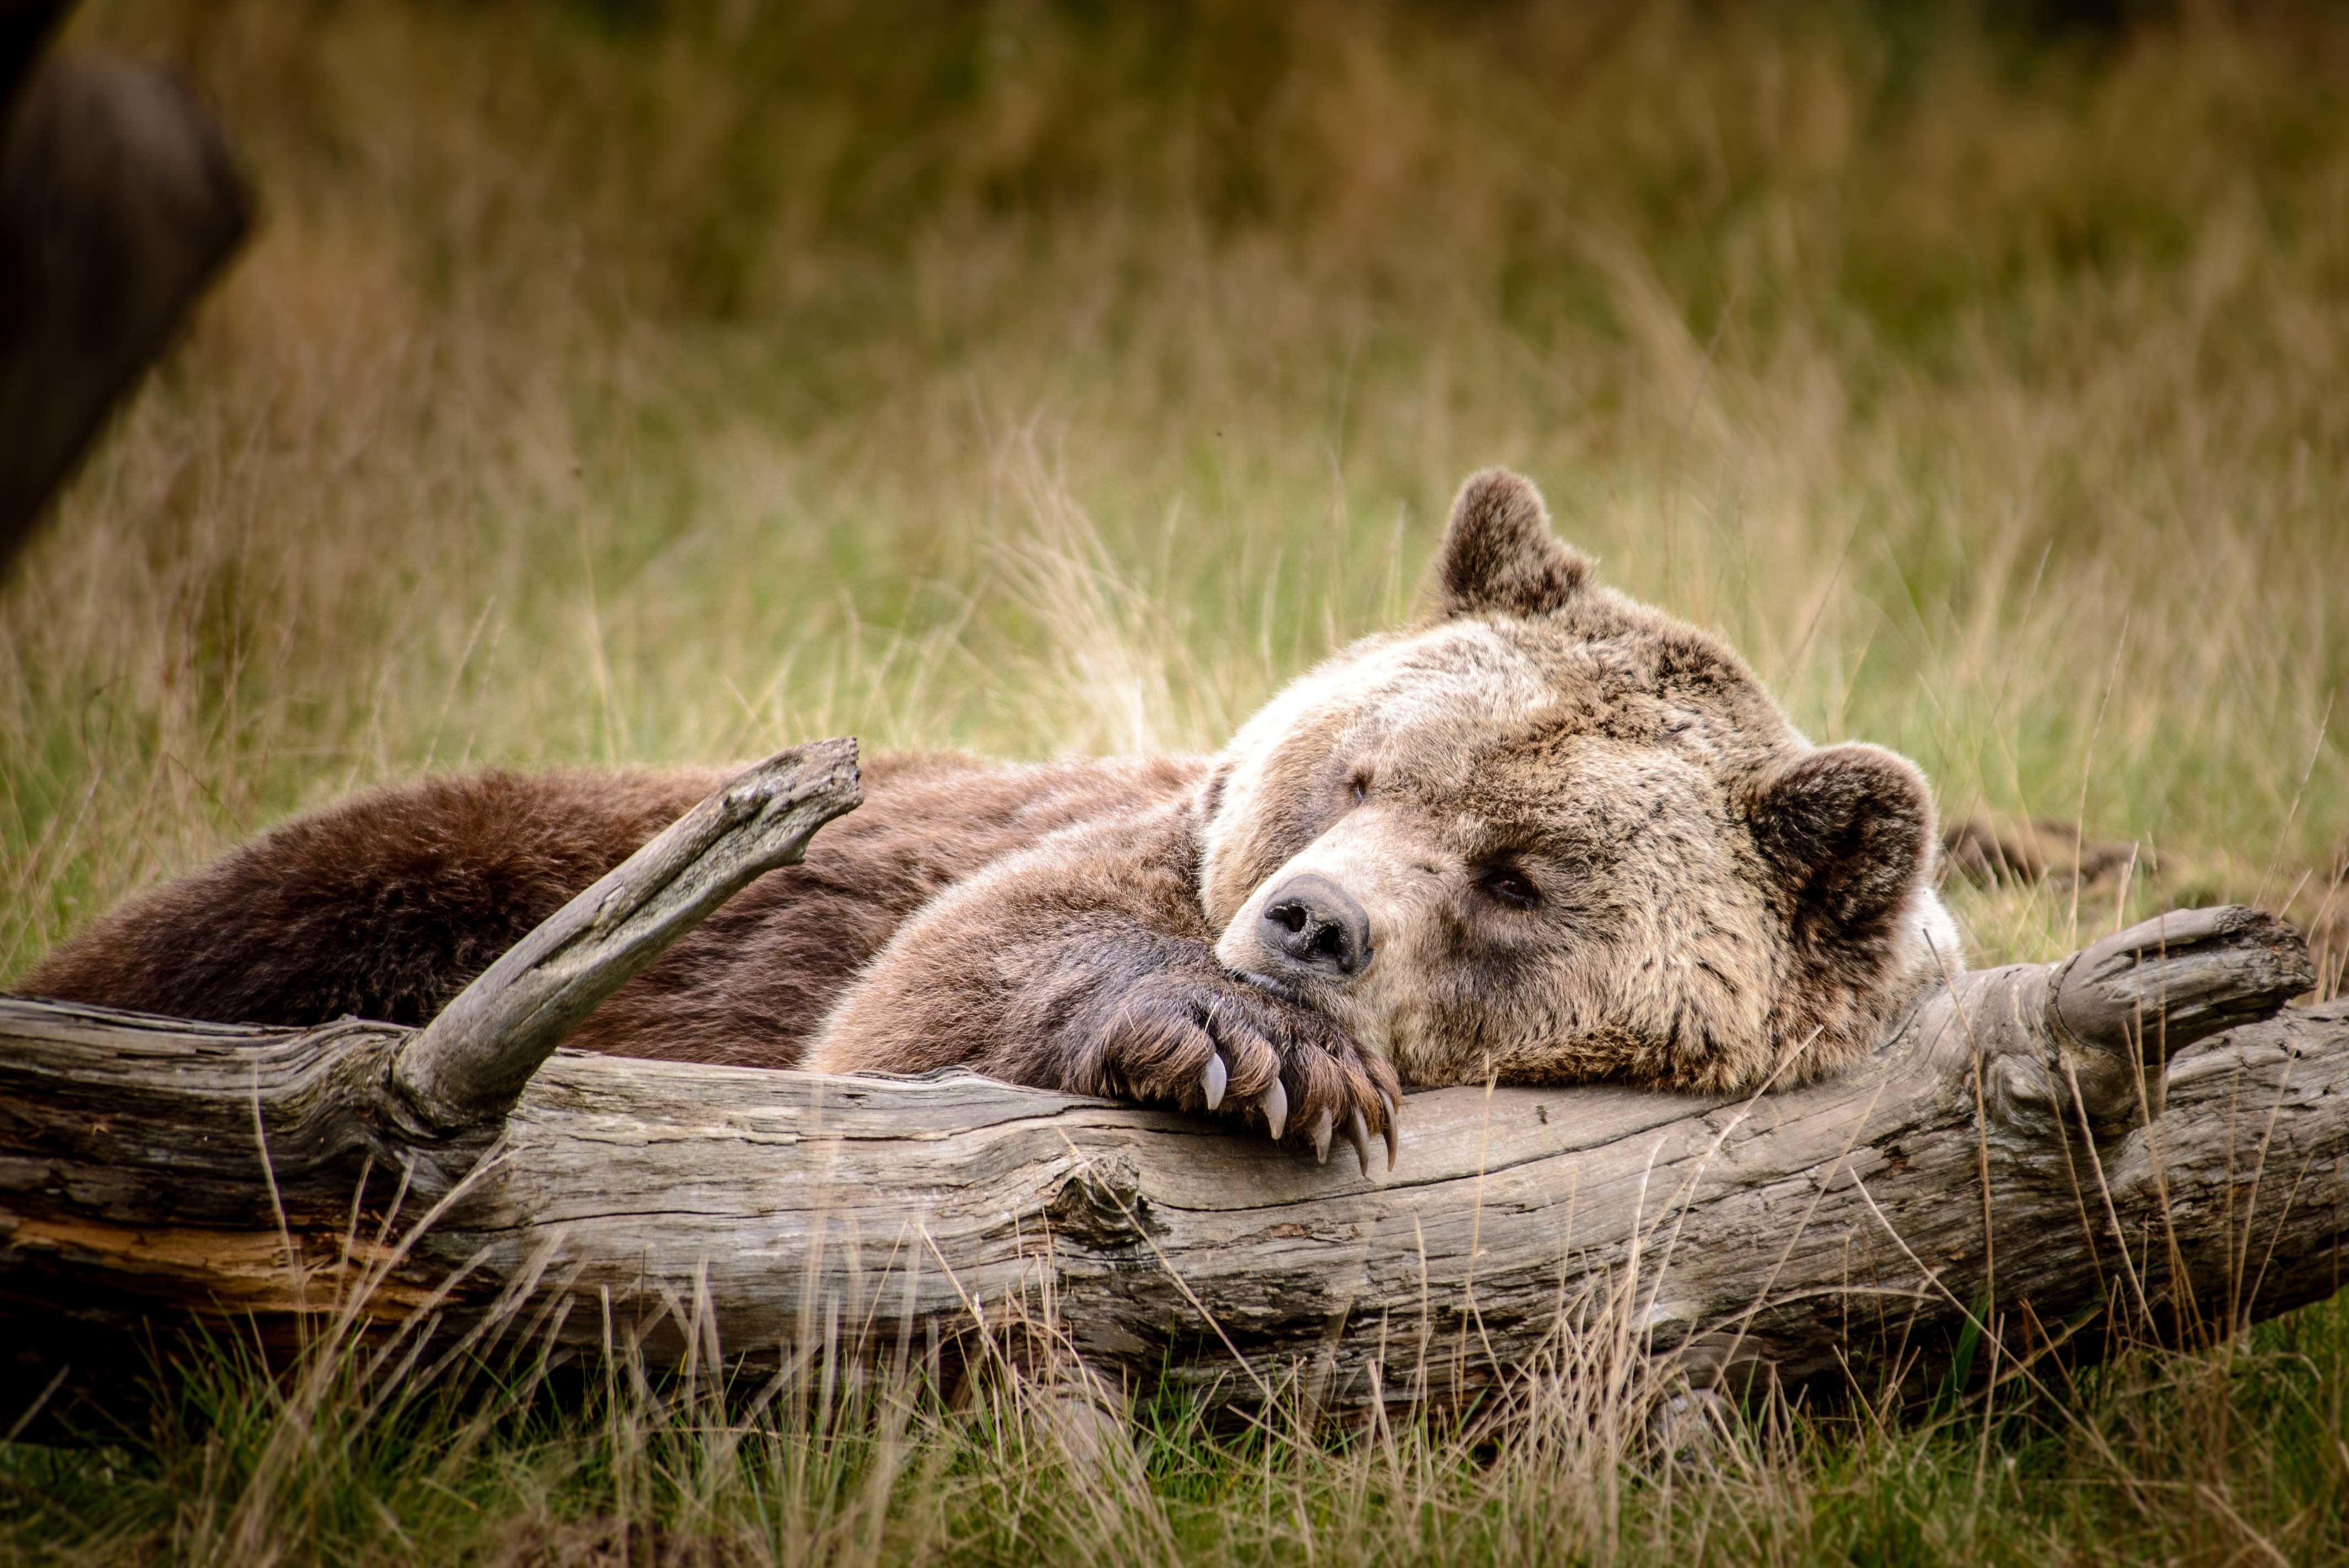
(2093,1033)
(2168,982)
(468,1064)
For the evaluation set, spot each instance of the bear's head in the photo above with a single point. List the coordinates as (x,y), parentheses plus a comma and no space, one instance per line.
(1551,834)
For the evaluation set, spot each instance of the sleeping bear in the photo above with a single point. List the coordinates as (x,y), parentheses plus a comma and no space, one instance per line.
(1546,835)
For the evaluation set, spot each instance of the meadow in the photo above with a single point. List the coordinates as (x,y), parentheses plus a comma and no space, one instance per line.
(609,382)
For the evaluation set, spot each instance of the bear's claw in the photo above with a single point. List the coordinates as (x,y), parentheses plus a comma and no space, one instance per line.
(1321,1126)
(1276,1110)
(1357,1133)
(1211,1082)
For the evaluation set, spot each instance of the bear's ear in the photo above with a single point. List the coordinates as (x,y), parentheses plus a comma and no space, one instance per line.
(1499,556)
(1850,829)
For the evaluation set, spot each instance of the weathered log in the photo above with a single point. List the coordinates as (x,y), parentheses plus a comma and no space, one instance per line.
(2143,1125)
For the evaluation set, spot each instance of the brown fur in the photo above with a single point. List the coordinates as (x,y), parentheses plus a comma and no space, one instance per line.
(1566,836)
(386,905)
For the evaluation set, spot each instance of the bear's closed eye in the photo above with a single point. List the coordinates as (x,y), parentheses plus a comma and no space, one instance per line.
(1511,886)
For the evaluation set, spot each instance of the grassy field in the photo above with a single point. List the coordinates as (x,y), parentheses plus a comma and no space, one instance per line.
(615,383)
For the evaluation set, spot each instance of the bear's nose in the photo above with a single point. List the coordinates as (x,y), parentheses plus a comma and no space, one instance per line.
(1313,922)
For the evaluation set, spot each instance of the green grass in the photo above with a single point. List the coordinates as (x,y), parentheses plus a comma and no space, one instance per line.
(612,383)
(2232,1455)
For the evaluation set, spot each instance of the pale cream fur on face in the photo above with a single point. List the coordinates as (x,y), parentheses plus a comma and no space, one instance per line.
(1688,949)
(1431,696)
(1686,939)
(1399,869)
(1441,687)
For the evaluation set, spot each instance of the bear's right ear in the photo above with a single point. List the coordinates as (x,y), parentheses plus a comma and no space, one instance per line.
(1850,829)
(1498,555)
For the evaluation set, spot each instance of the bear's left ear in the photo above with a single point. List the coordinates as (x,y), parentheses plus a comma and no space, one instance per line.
(1850,829)
(1498,555)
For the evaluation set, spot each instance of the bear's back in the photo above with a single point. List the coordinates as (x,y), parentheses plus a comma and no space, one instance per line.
(385,904)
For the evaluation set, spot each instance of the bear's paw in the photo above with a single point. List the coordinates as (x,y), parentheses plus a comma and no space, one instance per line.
(1220,1045)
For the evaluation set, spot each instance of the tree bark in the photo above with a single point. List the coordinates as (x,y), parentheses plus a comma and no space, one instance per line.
(2143,1133)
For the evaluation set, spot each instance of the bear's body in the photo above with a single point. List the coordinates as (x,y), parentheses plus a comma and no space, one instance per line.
(384,906)
(1550,835)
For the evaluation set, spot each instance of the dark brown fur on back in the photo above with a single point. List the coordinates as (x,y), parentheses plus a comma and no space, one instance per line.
(386,905)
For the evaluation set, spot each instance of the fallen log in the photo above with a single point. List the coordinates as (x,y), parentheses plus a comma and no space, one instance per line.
(2143,1132)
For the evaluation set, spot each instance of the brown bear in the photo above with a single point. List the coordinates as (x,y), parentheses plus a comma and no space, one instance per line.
(1548,835)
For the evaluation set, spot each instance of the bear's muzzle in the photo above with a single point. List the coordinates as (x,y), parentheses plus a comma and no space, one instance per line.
(1312,923)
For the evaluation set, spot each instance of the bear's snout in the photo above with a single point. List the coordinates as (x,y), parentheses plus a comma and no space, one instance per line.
(1313,923)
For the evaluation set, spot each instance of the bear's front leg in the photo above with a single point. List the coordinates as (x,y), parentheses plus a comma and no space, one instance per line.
(1084,964)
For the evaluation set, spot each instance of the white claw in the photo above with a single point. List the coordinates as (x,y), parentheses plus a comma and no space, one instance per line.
(1393,1136)
(1213,1081)
(1276,1110)
(1357,1133)
(1321,1129)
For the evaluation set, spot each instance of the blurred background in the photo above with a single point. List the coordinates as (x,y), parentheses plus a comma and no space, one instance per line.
(607,380)
(613,381)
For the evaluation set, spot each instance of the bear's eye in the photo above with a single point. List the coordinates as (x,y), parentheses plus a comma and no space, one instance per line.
(1360,786)
(1510,886)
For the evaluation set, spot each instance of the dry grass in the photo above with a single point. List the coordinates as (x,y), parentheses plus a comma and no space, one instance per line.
(351,1454)
(1036,379)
